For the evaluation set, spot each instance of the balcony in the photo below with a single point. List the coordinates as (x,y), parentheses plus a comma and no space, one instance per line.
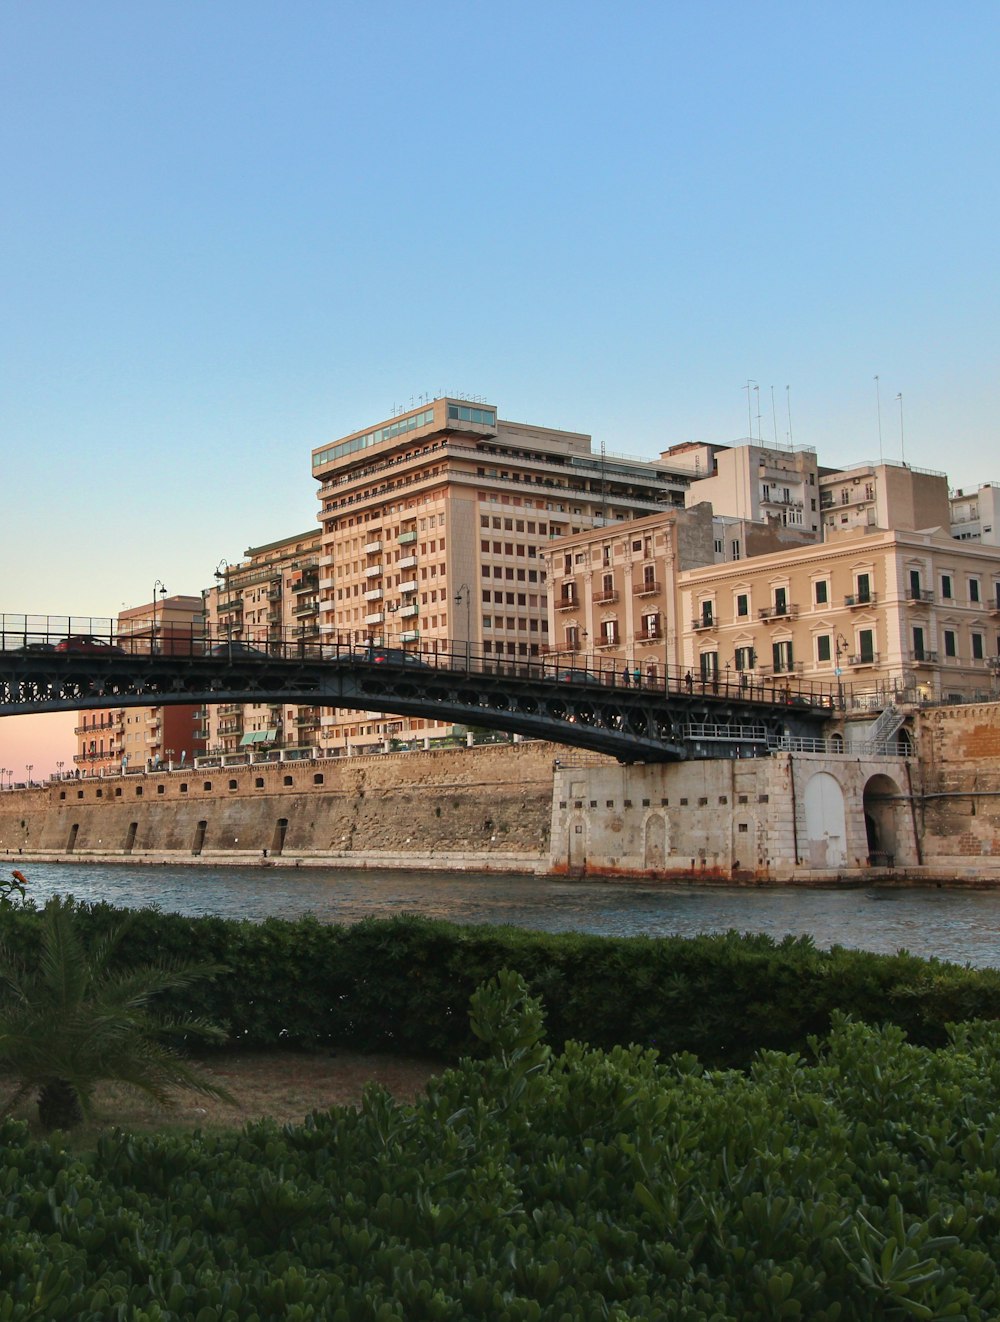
(373,548)
(993,607)
(409,586)
(649,636)
(373,594)
(779,611)
(407,562)
(648,587)
(307,583)
(409,636)
(376,617)
(919,596)
(601,643)
(861,599)
(863,659)
(373,571)
(567,603)
(407,538)
(605,598)
(306,608)
(703,622)
(408,612)
(924,658)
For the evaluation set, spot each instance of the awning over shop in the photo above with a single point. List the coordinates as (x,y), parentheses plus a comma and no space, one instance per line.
(258,737)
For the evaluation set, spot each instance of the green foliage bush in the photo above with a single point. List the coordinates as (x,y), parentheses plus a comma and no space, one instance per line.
(532,1186)
(404,984)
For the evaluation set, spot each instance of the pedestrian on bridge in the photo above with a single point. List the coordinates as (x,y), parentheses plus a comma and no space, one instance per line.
(626,676)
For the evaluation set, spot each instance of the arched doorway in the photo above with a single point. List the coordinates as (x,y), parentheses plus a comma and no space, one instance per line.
(577,848)
(656,842)
(826,822)
(883,805)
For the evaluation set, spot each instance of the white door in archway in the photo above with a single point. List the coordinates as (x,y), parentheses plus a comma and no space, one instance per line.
(826,824)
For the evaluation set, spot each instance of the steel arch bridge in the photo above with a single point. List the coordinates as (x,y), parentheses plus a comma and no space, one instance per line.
(671,720)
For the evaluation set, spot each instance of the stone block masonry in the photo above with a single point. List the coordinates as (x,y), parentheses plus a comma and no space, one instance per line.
(485,807)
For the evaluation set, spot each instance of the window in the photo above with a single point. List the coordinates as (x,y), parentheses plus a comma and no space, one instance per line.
(915,589)
(946,586)
(866,646)
(609,631)
(781,655)
(821,592)
(823,647)
(709,662)
(950,647)
(706,613)
(735,549)
(651,625)
(974,594)
(746,658)
(977,647)
(864,587)
(918,644)
(781,601)
(742,605)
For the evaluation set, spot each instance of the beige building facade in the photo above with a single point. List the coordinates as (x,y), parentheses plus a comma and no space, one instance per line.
(270,598)
(435,525)
(886,495)
(873,612)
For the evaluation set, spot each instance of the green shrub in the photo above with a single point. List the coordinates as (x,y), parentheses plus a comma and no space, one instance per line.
(532,1186)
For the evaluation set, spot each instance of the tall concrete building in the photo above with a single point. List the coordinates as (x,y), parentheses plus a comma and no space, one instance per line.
(434,524)
(975,514)
(751,481)
(271,597)
(885,495)
(140,737)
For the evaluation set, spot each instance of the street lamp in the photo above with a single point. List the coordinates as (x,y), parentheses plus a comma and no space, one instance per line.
(840,646)
(29,768)
(157,587)
(465,592)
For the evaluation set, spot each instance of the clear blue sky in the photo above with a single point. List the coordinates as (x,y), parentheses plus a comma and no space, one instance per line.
(234,231)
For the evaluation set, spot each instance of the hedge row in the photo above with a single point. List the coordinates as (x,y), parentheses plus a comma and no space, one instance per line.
(404,984)
(529,1187)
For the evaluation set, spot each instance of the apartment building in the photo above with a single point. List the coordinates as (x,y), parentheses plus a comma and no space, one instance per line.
(885,495)
(141,737)
(614,597)
(874,611)
(975,515)
(271,597)
(751,481)
(434,526)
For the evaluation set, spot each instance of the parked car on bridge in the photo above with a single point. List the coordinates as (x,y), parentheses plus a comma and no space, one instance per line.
(235,648)
(88,644)
(578,676)
(393,656)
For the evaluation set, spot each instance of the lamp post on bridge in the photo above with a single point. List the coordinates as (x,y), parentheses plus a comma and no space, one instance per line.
(464,592)
(158,587)
(840,646)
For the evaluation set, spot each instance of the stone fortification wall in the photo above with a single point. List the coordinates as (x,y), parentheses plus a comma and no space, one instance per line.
(788,817)
(481,807)
(959,785)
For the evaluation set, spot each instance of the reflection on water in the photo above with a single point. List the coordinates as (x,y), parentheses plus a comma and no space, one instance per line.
(957,925)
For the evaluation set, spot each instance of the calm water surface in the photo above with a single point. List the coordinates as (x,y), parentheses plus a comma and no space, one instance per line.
(957,925)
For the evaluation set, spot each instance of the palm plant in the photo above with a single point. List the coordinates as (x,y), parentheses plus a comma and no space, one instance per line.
(73,1017)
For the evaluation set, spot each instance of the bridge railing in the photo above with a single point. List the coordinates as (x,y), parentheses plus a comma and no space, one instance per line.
(32,634)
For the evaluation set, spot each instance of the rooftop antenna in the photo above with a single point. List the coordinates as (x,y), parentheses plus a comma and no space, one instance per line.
(774,419)
(604,486)
(788,404)
(756,391)
(902,448)
(878,410)
(748,387)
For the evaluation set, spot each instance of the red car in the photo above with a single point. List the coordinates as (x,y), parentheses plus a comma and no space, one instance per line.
(93,646)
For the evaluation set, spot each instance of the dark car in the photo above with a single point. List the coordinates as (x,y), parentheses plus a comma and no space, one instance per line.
(90,645)
(234,648)
(31,649)
(392,656)
(577,676)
